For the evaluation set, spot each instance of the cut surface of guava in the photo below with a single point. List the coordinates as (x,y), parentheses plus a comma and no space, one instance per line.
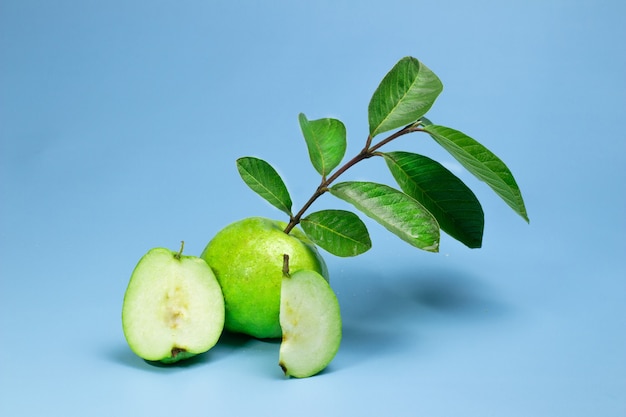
(173,307)
(311,324)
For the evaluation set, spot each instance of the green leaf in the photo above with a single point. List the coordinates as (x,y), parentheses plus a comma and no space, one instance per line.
(339,232)
(397,212)
(453,204)
(482,163)
(405,94)
(326,142)
(265,181)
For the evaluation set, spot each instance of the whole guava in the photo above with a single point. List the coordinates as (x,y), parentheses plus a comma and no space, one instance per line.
(247,259)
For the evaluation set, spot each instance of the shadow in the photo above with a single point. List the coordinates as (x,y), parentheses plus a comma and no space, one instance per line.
(237,340)
(394,311)
(454,294)
(123,355)
(360,342)
(228,342)
(185,363)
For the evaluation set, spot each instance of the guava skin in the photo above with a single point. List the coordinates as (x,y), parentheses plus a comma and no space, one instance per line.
(177,355)
(247,259)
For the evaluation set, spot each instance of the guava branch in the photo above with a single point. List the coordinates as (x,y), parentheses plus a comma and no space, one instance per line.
(367,152)
(323,187)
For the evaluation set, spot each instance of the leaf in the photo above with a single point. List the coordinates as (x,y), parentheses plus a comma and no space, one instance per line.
(405,94)
(482,163)
(453,204)
(339,232)
(265,181)
(397,212)
(326,142)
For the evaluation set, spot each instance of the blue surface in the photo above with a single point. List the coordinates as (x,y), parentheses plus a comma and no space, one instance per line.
(119,126)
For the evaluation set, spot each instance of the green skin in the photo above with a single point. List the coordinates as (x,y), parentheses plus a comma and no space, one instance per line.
(247,259)
(178,356)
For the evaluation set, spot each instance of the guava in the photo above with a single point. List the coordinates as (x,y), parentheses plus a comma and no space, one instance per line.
(311,323)
(247,259)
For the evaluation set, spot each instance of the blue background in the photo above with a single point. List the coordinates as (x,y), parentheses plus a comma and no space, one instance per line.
(120,122)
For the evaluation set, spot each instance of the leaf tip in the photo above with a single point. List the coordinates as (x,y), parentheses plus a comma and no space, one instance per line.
(434,248)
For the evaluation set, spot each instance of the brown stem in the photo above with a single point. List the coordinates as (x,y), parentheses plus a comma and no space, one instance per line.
(286,265)
(180,252)
(323,187)
(407,129)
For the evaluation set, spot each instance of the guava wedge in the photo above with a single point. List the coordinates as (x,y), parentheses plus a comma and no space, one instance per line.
(311,324)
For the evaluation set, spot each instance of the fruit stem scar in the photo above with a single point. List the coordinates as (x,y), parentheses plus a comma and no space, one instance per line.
(286,265)
(176,351)
(180,252)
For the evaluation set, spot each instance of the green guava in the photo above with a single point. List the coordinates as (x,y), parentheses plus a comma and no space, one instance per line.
(247,259)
